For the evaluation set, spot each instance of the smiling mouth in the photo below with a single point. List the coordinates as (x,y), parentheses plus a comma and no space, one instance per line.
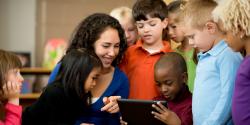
(108,61)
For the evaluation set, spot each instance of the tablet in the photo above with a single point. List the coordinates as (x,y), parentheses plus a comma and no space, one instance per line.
(138,112)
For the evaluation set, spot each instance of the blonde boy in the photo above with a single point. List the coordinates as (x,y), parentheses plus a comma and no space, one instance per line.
(139,60)
(217,65)
(125,18)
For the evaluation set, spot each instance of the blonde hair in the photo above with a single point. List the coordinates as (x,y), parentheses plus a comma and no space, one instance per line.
(122,13)
(234,15)
(197,12)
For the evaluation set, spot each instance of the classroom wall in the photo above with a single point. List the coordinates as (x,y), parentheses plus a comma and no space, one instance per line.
(26,25)
(17,25)
(58,18)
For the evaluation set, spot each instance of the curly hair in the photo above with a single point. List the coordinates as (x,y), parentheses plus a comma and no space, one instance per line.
(234,15)
(90,30)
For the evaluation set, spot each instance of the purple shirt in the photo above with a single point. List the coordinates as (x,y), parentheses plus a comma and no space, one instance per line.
(241,96)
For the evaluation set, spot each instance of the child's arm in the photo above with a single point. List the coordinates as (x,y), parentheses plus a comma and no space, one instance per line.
(222,111)
(165,115)
(12,109)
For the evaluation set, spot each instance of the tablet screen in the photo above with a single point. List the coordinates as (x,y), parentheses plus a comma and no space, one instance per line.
(138,112)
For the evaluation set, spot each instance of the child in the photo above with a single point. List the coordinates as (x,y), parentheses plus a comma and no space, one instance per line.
(216,68)
(10,87)
(102,34)
(69,96)
(125,18)
(170,73)
(177,35)
(139,60)
(238,30)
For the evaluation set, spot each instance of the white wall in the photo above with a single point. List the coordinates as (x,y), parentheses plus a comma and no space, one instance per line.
(17,25)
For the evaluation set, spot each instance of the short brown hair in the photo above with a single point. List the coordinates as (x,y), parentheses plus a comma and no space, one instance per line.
(152,8)
(8,61)
(198,12)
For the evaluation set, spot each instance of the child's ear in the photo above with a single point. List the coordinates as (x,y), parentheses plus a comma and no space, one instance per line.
(185,77)
(211,27)
(165,23)
(241,32)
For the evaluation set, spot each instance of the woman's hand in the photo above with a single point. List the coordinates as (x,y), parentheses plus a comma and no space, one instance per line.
(165,115)
(110,104)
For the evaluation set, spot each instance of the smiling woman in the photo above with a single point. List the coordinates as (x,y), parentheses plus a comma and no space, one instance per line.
(103,35)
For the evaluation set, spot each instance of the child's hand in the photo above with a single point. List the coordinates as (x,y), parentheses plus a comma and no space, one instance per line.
(111,104)
(123,122)
(11,92)
(165,115)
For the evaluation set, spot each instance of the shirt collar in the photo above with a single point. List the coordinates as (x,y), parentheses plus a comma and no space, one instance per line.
(165,49)
(217,49)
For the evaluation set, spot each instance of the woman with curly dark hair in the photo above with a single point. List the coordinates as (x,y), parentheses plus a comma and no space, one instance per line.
(103,35)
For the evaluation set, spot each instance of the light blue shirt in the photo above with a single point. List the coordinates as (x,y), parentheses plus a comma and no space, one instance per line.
(214,83)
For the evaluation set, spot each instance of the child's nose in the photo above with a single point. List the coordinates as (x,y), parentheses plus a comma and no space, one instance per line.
(164,89)
(20,79)
(170,31)
(146,28)
(127,34)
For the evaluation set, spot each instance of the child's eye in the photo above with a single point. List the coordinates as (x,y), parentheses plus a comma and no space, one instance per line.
(190,37)
(131,29)
(173,26)
(152,24)
(139,25)
(94,78)
(158,84)
(168,82)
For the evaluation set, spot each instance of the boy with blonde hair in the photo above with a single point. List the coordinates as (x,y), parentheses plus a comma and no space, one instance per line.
(138,62)
(238,32)
(216,68)
(125,18)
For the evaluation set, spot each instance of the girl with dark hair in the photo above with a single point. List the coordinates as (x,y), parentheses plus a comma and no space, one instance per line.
(103,35)
(69,96)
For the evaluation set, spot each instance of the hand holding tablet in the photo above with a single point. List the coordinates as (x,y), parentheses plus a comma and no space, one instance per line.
(136,112)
